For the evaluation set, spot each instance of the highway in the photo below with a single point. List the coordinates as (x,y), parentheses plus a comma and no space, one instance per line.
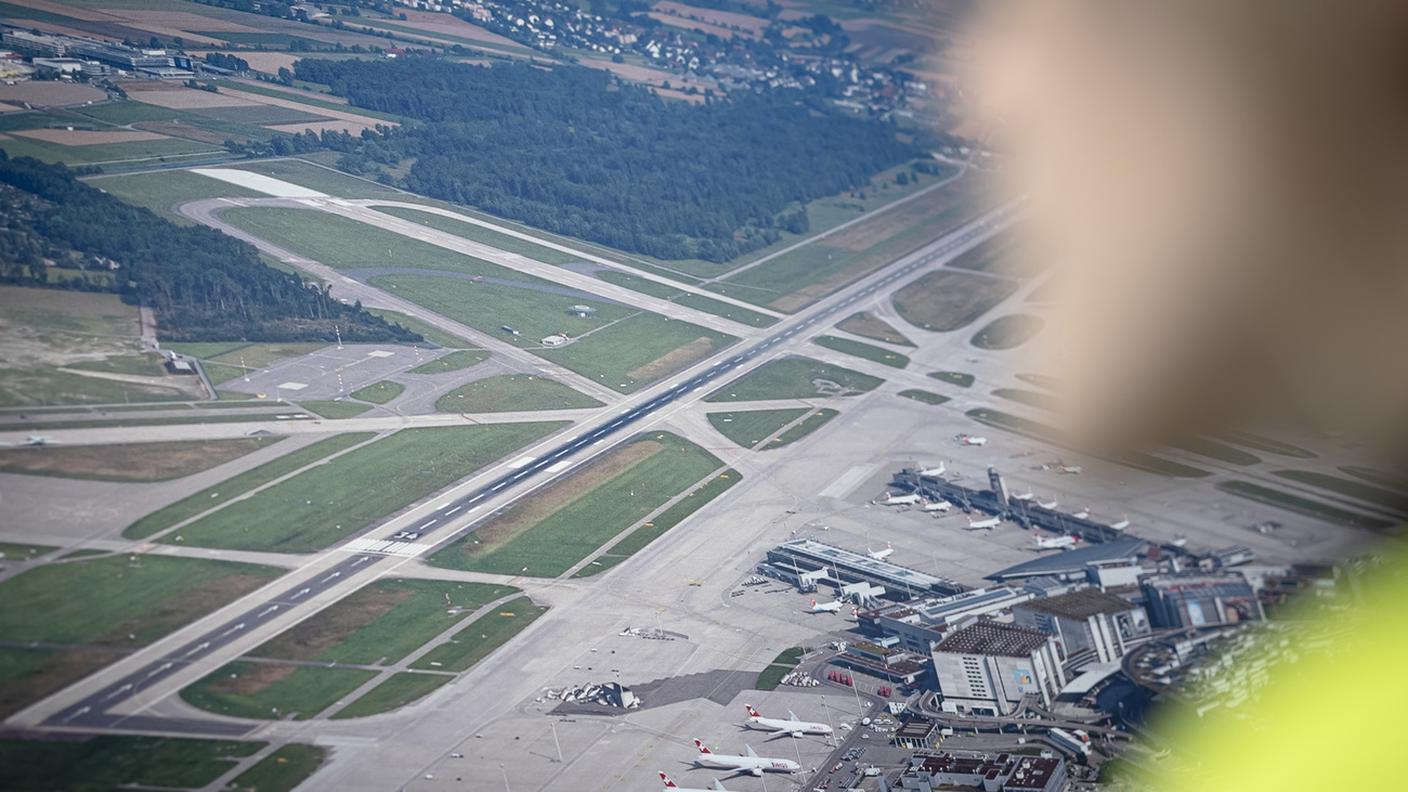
(94,710)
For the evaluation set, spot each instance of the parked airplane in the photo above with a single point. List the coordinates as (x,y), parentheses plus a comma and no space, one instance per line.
(1082,514)
(1025,496)
(933,472)
(1121,525)
(34,441)
(826,607)
(970,440)
(670,784)
(899,500)
(779,726)
(749,763)
(984,525)
(880,555)
(938,506)
(1055,543)
(1049,505)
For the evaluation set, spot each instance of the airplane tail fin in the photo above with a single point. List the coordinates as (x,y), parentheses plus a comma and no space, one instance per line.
(669,784)
(718,787)
(752,712)
(704,749)
(750,751)
(791,715)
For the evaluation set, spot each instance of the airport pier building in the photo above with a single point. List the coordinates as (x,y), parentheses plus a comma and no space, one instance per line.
(806,562)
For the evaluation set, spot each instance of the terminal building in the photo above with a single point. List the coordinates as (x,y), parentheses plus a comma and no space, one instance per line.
(931,771)
(920,624)
(1090,625)
(1200,600)
(986,668)
(806,562)
(1082,563)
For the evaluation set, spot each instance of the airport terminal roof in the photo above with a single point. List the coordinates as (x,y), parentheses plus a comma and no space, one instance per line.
(1074,561)
(825,555)
(994,638)
(1080,604)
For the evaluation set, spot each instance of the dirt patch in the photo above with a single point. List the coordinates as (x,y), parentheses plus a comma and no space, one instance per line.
(946,300)
(672,360)
(257,677)
(59,670)
(87,137)
(529,513)
(269,62)
(329,628)
(128,461)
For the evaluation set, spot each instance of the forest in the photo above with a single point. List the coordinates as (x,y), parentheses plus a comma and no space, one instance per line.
(203,285)
(577,152)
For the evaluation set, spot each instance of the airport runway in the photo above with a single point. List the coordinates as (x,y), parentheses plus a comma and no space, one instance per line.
(94,710)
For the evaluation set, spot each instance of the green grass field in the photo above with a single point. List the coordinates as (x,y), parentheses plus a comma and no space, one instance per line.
(326,503)
(1047,434)
(1204,446)
(1388,499)
(648,532)
(958,378)
(223,492)
(314,177)
(117,762)
(868,325)
(11,551)
(945,300)
(379,392)
(623,348)
(46,151)
(432,334)
(243,689)
(802,428)
(340,408)
(396,692)
(724,309)
(130,462)
(860,349)
(769,678)
(1007,332)
(120,601)
(481,637)
(795,378)
(512,392)
(568,521)
(1038,399)
(164,190)
(1303,506)
(748,428)
(455,361)
(928,397)
(282,770)
(478,233)
(381,623)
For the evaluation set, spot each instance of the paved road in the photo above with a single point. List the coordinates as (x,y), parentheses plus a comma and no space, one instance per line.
(94,710)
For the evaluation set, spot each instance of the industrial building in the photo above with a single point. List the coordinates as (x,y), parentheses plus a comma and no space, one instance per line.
(806,562)
(986,668)
(920,624)
(1200,600)
(930,771)
(1090,625)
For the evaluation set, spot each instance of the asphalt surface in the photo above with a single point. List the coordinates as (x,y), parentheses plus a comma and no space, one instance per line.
(93,711)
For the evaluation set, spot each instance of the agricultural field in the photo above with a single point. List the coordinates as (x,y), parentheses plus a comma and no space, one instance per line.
(329,502)
(861,349)
(58,342)
(945,300)
(224,492)
(795,378)
(120,762)
(1007,332)
(129,461)
(82,615)
(271,691)
(566,522)
(513,392)
(483,635)
(748,428)
(381,623)
(397,691)
(86,149)
(795,279)
(868,325)
(455,361)
(637,540)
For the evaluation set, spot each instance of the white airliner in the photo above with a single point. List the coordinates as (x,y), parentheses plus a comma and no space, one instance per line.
(790,725)
(938,506)
(970,440)
(933,472)
(900,500)
(1121,525)
(826,607)
(34,441)
(1082,514)
(880,555)
(1025,496)
(749,763)
(1049,505)
(984,525)
(1055,543)
(670,784)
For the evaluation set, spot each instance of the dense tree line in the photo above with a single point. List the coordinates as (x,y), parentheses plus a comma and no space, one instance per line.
(203,285)
(577,152)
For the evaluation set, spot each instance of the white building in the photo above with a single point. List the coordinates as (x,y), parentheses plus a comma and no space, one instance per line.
(988,667)
(1089,624)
